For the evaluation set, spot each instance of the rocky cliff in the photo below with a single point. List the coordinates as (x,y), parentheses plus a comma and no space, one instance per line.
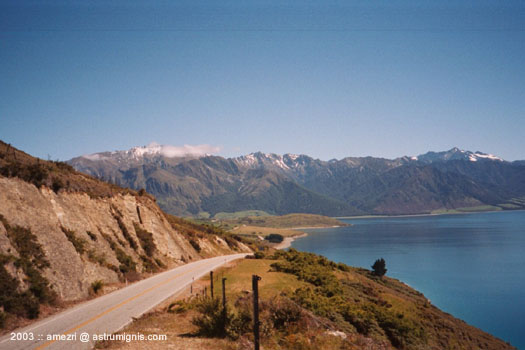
(57,240)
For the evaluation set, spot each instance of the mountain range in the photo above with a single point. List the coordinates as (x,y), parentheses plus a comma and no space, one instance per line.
(193,184)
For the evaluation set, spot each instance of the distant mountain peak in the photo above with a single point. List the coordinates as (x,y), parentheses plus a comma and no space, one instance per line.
(155,149)
(455,153)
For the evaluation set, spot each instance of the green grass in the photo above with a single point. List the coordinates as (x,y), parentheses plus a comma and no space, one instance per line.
(509,206)
(264,231)
(240,214)
(287,221)
(479,208)
(239,279)
(347,298)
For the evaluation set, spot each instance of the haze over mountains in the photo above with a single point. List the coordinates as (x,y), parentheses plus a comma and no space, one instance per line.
(191,182)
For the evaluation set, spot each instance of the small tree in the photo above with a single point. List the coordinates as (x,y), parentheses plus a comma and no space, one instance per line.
(379,267)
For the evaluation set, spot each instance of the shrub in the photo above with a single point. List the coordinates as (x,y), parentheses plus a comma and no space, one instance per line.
(96,258)
(148,264)
(38,284)
(110,241)
(259,255)
(343,267)
(26,244)
(126,233)
(160,263)
(179,307)
(284,312)
(215,322)
(20,304)
(232,242)
(36,174)
(96,286)
(274,238)
(146,240)
(92,236)
(57,185)
(126,262)
(77,242)
(195,245)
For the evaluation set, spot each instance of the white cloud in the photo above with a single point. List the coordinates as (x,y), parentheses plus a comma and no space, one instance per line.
(181,151)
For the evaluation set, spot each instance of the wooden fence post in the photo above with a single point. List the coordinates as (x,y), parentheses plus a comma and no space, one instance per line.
(255,286)
(211,283)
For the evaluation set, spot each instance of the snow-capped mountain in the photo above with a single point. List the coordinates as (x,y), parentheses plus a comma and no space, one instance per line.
(155,150)
(187,180)
(285,162)
(455,154)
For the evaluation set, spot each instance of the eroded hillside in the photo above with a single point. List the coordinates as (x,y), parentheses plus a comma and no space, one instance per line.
(62,233)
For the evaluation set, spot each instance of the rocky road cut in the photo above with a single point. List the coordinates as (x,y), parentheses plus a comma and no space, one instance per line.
(77,328)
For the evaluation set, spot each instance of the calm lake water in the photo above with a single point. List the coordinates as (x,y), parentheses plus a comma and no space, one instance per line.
(472,265)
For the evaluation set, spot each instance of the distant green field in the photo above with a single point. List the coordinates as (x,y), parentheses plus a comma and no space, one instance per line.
(509,206)
(240,214)
(479,208)
(286,221)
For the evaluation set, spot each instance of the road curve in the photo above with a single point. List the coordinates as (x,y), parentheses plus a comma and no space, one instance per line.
(109,313)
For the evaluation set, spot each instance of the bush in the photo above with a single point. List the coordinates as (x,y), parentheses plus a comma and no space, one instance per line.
(126,233)
(77,242)
(179,307)
(284,312)
(126,262)
(213,322)
(38,284)
(148,264)
(259,255)
(274,238)
(92,236)
(232,242)
(195,245)
(26,244)
(94,257)
(57,185)
(160,263)
(96,286)
(20,304)
(146,240)
(36,174)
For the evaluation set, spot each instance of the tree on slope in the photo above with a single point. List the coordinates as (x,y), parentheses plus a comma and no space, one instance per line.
(379,267)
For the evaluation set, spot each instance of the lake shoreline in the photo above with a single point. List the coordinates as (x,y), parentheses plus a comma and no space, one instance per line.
(493,239)
(417,215)
(287,241)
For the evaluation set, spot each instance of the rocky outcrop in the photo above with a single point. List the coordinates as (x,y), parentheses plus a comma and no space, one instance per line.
(87,239)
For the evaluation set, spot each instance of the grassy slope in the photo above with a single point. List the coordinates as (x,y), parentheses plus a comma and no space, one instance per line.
(240,214)
(55,175)
(287,221)
(264,231)
(373,313)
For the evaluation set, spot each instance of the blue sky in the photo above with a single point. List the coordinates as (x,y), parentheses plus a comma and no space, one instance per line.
(328,79)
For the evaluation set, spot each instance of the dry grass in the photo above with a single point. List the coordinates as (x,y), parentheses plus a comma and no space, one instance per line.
(389,295)
(178,326)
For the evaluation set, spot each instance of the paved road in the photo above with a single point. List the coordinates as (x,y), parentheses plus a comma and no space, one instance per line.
(111,312)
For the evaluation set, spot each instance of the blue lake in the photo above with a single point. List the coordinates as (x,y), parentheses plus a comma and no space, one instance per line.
(471,265)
